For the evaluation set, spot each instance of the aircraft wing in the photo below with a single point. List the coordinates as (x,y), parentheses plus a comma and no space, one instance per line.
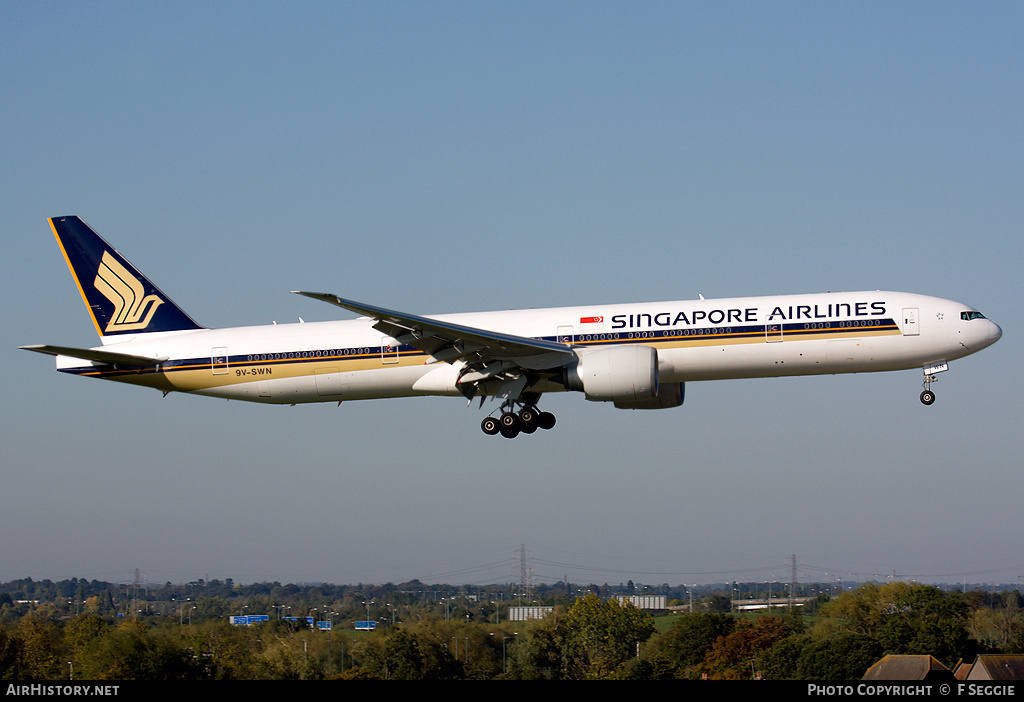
(98,355)
(454,342)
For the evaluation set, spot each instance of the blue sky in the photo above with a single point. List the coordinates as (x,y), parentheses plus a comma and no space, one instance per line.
(445,157)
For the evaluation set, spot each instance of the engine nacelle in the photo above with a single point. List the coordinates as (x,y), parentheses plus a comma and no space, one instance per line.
(615,374)
(669,395)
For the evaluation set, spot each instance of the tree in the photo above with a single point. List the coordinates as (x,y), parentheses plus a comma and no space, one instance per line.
(403,654)
(41,649)
(905,618)
(736,656)
(228,652)
(683,647)
(539,650)
(841,657)
(82,633)
(781,660)
(11,655)
(602,635)
(719,603)
(131,651)
(592,639)
(995,623)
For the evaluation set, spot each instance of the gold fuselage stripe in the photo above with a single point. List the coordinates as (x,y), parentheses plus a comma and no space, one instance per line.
(211,372)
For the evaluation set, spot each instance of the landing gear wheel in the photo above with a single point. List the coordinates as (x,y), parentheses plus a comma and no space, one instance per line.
(545,420)
(509,420)
(510,423)
(928,397)
(528,420)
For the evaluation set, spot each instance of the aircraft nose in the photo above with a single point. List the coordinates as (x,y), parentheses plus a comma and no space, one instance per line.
(995,333)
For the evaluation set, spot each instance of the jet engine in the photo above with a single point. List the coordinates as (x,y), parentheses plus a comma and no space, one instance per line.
(615,374)
(669,395)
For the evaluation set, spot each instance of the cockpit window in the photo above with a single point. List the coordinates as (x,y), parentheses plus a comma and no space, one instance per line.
(971,314)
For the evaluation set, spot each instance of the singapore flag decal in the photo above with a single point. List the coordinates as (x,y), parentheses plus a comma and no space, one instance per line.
(591,320)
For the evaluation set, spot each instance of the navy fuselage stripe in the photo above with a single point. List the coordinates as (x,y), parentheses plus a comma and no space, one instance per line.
(756,332)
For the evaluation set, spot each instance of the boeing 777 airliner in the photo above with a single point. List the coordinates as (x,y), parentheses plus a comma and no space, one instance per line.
(635,356)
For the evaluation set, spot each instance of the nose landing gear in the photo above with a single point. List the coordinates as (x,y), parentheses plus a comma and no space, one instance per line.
(927,396)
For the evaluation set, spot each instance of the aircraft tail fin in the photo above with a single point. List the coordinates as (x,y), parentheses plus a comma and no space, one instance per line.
(120,299)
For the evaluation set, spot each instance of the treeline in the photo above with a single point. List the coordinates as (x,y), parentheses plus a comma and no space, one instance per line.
(217,598)
(585,637)
(48,590)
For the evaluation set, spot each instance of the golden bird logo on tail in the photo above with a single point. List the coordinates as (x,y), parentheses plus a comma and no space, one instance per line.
(133,309)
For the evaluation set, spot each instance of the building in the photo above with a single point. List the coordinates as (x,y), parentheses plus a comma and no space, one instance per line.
(644,601)
(993,667)
(521,614)
(909,668)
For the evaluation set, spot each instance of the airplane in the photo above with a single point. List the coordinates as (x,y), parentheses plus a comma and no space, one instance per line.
(634,356)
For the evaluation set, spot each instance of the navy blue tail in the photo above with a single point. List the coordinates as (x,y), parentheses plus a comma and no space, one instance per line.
(120,299)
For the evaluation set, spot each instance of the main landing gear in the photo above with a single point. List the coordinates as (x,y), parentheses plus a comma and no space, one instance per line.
(511,423)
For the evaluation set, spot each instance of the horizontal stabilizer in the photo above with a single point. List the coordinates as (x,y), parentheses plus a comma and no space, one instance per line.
(98,355)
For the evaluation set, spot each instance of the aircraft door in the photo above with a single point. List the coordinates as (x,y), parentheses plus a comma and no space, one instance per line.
(910,327)
(565,334)
(219,360)
(388,350)
(773,332)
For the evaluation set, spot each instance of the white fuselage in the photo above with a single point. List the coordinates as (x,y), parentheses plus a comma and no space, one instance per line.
(695,340)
